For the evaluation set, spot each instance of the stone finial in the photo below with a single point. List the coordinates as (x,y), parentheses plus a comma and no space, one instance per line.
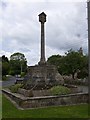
(42,17)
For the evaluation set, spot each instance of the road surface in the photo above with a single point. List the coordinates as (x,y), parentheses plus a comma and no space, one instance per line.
(9,82)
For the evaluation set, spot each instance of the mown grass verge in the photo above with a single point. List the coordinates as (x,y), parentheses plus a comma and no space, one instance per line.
(74,111)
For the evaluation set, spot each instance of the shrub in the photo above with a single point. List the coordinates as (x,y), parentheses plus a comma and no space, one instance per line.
(4,78)
(22,74)
(59,90)
(14,88)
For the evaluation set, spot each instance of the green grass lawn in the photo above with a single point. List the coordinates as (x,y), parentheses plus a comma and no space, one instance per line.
(0,107)
(75,111)
(0,103)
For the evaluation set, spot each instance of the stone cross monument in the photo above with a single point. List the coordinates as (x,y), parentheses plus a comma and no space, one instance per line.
(42,19)
(43,75)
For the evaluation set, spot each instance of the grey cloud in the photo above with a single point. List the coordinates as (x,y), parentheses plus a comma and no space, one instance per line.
(63,33)
(65,28)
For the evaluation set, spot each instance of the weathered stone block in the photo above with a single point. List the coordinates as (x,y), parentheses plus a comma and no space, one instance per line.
(43,77)
(27,93)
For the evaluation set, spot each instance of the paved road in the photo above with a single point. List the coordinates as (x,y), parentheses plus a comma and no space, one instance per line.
(0,83)
(11,81)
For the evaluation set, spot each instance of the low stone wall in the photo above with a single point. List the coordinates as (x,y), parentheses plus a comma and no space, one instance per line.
(33,93)
(34,102)
(26,93)
(37,93)
(68,80)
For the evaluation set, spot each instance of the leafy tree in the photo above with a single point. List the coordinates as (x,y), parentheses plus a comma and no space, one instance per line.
(84,71)
(18,63)
(55,60)
(5,65)
(4,59)
(73,62)
(58,61)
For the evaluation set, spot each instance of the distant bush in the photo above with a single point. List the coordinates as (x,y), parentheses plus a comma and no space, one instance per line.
(22,74)
(4,78)
(59,90)
(14,88)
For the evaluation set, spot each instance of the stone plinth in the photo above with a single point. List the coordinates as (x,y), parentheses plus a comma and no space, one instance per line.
(43,77)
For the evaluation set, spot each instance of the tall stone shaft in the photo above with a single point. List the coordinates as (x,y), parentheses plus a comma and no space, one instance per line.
(42,43)
(42,19)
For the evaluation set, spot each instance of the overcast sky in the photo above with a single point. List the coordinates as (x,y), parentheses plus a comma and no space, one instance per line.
(65,28)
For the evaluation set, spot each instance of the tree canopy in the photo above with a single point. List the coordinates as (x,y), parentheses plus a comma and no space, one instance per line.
(18,63)
(72,62)
(69,64)
(5,65)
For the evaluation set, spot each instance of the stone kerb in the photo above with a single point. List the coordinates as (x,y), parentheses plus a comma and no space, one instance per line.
(43,101)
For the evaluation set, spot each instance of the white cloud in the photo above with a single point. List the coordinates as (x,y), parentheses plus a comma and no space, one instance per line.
(65,27)
(7,54)
(35,1)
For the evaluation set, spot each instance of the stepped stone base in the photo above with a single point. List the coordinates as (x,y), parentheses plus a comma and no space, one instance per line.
(43,77)
(42,101)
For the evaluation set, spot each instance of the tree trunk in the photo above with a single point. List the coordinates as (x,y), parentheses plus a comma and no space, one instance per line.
(73,75)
